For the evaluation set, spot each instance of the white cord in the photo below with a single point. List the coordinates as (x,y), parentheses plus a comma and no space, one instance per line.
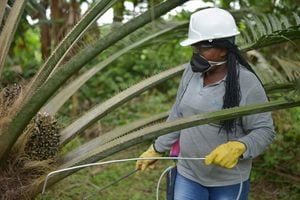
(159,180)
(241,184)
(110,162)
(132,159)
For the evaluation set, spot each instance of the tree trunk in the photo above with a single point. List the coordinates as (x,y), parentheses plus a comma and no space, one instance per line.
(45,32)
(59,11)
(118,14)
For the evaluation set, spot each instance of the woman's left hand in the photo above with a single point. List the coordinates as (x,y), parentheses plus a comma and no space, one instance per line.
(226,155)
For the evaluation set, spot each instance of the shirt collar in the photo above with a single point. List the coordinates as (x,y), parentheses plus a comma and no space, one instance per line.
(213,84)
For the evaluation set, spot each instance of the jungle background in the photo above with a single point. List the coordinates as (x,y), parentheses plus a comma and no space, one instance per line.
(44,24)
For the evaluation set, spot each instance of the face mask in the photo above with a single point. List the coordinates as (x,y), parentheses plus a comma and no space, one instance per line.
(200,64)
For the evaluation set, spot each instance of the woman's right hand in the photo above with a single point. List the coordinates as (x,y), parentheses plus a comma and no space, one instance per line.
(144,164)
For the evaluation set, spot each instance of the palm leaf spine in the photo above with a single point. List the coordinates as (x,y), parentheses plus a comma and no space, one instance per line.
(111,135)
(67,43)
(59,99)
(156,130)
(268,30)
(2,9)
(9,29)
(102,109)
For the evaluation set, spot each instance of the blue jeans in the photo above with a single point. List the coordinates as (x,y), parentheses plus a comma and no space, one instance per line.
(186,189)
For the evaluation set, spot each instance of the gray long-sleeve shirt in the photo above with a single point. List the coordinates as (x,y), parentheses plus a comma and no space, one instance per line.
(255,131)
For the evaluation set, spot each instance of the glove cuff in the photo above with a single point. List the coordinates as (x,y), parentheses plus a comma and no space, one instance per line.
(153,147)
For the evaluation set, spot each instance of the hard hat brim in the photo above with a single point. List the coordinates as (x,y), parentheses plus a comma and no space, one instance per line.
(188,42)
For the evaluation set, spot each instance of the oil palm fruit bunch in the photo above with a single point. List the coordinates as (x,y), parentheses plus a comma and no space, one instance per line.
(8,96)
(43,141)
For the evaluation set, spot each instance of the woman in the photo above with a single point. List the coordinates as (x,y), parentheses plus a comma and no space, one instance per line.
(216,78)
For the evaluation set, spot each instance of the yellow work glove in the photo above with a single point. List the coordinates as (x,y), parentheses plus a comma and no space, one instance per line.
(226,155)
(144,164)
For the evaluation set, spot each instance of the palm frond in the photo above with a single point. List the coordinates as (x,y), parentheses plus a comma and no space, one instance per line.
(297,18)
(67,44)
(3,5)
(112,135)
(270,88)
(298,86)
(290,67)
(102,109)
(9,30)
(264,30)
(277,79)
(160,28)
(134,40)
(154,131)
(266,72)
(282,89)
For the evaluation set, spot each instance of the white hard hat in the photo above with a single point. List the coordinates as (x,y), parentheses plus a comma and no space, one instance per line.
(209,24)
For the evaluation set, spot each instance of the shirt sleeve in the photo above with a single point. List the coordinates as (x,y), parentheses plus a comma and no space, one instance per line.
(258,127)
(164,142)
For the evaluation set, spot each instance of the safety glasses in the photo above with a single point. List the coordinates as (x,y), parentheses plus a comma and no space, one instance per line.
(200,48)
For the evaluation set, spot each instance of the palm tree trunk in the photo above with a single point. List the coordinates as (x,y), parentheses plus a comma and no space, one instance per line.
(45,32)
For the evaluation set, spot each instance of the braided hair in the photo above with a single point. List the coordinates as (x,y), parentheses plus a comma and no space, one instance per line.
(232,94)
